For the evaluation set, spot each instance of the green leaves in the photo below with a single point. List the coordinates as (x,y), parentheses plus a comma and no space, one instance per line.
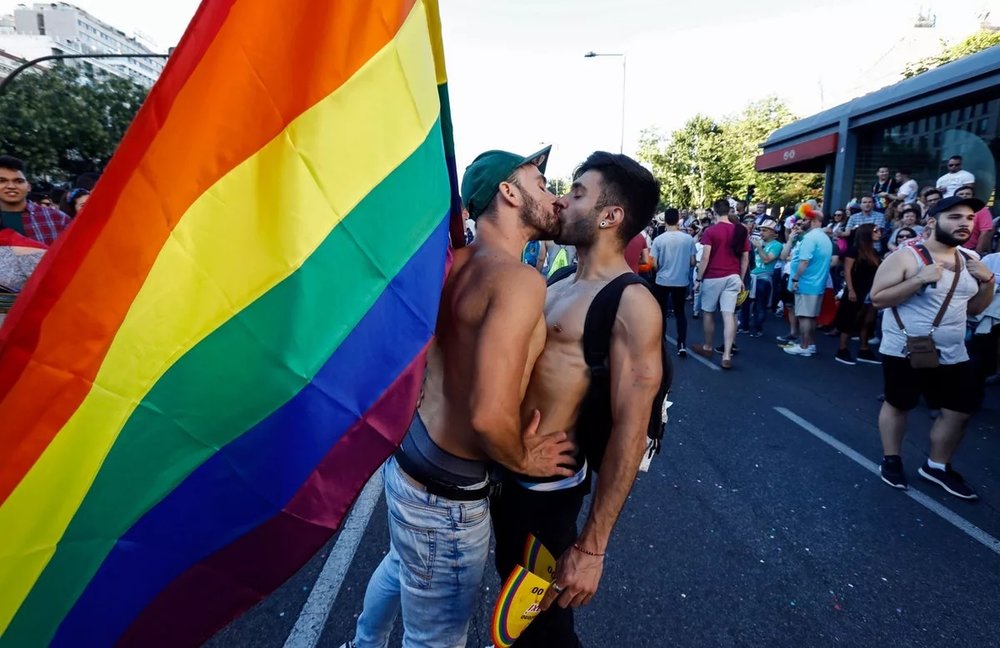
(64,121)
(979,41)
(707,159)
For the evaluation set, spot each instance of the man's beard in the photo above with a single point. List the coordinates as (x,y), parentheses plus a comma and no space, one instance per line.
(532,216)
(582,233)
(947,238)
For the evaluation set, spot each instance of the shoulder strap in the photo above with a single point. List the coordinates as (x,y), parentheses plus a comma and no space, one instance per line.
(959,267)
(923,257)
(601,319)
(923,253)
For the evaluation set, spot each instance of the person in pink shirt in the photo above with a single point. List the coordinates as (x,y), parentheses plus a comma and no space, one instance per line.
(982,228)
(724,260)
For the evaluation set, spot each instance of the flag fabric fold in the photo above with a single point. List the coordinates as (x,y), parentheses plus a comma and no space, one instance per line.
(207,368)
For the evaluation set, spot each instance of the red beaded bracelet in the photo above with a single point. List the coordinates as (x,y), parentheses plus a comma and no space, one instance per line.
(589,553)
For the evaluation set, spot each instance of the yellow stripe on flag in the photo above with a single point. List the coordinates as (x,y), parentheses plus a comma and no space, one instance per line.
(246,234)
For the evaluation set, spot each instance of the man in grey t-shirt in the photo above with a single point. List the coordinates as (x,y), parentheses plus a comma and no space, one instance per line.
(673,256)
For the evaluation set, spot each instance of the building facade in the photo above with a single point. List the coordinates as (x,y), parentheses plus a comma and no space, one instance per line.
(916,124)
(61,28)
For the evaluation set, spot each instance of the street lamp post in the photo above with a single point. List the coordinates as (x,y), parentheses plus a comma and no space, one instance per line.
(621,144)
(63,57)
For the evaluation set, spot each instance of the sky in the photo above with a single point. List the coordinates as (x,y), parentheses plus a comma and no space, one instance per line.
(518,78)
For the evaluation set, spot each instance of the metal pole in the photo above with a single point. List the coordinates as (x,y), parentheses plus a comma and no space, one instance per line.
(621,145)
(60,57)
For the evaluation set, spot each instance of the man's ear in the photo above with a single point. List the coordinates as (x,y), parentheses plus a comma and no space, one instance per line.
(510,193)
(613,216)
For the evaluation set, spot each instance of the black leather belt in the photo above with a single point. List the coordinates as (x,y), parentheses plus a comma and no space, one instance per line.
(441,489)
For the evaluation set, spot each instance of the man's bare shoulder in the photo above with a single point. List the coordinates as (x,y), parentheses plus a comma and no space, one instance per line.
(638,306)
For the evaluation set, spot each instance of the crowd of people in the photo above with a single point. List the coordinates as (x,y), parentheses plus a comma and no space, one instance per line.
(896,264)
(909,274)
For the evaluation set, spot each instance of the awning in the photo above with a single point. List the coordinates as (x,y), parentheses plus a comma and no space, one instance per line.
(790,158)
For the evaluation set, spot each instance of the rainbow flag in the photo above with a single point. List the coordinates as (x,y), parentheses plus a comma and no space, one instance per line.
(210,364)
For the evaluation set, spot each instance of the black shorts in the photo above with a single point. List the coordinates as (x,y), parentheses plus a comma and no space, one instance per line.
(950,387)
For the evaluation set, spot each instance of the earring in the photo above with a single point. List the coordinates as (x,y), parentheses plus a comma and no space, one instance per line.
(604,223)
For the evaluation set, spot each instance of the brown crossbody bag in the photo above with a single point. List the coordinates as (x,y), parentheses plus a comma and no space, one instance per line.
(920,349)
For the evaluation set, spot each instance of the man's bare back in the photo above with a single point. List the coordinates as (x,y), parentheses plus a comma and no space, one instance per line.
(477,276)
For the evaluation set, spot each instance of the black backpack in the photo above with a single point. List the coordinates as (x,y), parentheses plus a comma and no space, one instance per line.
(593,426)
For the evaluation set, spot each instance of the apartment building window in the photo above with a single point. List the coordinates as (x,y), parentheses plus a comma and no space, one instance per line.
(41,23)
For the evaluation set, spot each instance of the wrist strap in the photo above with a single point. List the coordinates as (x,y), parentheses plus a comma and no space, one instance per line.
(589,553)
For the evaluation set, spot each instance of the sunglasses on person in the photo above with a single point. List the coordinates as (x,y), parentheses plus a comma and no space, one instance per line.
(904,237)
(952,165)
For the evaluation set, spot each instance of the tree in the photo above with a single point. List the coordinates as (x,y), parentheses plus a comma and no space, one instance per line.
(983,39)
(705,160)
(63,121)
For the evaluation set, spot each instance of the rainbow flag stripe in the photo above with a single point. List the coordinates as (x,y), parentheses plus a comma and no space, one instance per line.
(209,365)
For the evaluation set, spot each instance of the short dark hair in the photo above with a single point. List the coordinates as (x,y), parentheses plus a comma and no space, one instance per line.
(956,157)
(913,207)
(626,183)
(11,162)
(721,207)
(931,190)
(671,216)
(905,171)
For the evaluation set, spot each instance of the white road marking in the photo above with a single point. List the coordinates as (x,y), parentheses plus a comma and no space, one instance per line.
(944,512)
(692,354)
(309,626)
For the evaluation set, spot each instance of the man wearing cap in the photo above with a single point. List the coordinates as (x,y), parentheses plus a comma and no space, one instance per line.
(612,198)
(489,333)
(915,283)
(809,273)
(767,252)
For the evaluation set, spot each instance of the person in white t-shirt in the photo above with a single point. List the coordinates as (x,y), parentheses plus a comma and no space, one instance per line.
(908,187)
(955,178)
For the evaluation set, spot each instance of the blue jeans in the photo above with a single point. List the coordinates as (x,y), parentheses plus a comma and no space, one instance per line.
(432,573)
(761,304)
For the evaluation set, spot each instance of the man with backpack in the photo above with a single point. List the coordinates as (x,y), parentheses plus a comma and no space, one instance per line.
(603,397)
(930,289)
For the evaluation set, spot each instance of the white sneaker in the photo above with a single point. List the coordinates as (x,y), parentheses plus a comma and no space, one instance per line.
(796,350)
(875,341)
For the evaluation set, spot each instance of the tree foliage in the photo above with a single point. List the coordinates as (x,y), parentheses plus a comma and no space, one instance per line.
(707,159)
(63,122)
(983,39)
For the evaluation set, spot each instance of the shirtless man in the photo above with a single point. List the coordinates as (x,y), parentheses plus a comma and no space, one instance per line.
(490,330)
(611,200)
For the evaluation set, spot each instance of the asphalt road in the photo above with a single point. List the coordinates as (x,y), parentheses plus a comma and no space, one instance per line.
(749,530)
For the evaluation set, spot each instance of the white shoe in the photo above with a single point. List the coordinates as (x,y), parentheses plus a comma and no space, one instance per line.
(875,341)
(796,350)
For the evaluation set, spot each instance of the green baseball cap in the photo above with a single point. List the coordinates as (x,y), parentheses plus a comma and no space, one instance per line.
(483,177)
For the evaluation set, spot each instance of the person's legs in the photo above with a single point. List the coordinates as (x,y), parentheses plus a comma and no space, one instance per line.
(946,434)
(743,322)
(762,300)
(711,291)
(728,334)
(807,331)
(892,428)
(678,296)
(867,323)
(381,604)
(708,325)
(550,517)
(441,547)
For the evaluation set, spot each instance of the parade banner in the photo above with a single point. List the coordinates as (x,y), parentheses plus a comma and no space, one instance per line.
(211,362)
